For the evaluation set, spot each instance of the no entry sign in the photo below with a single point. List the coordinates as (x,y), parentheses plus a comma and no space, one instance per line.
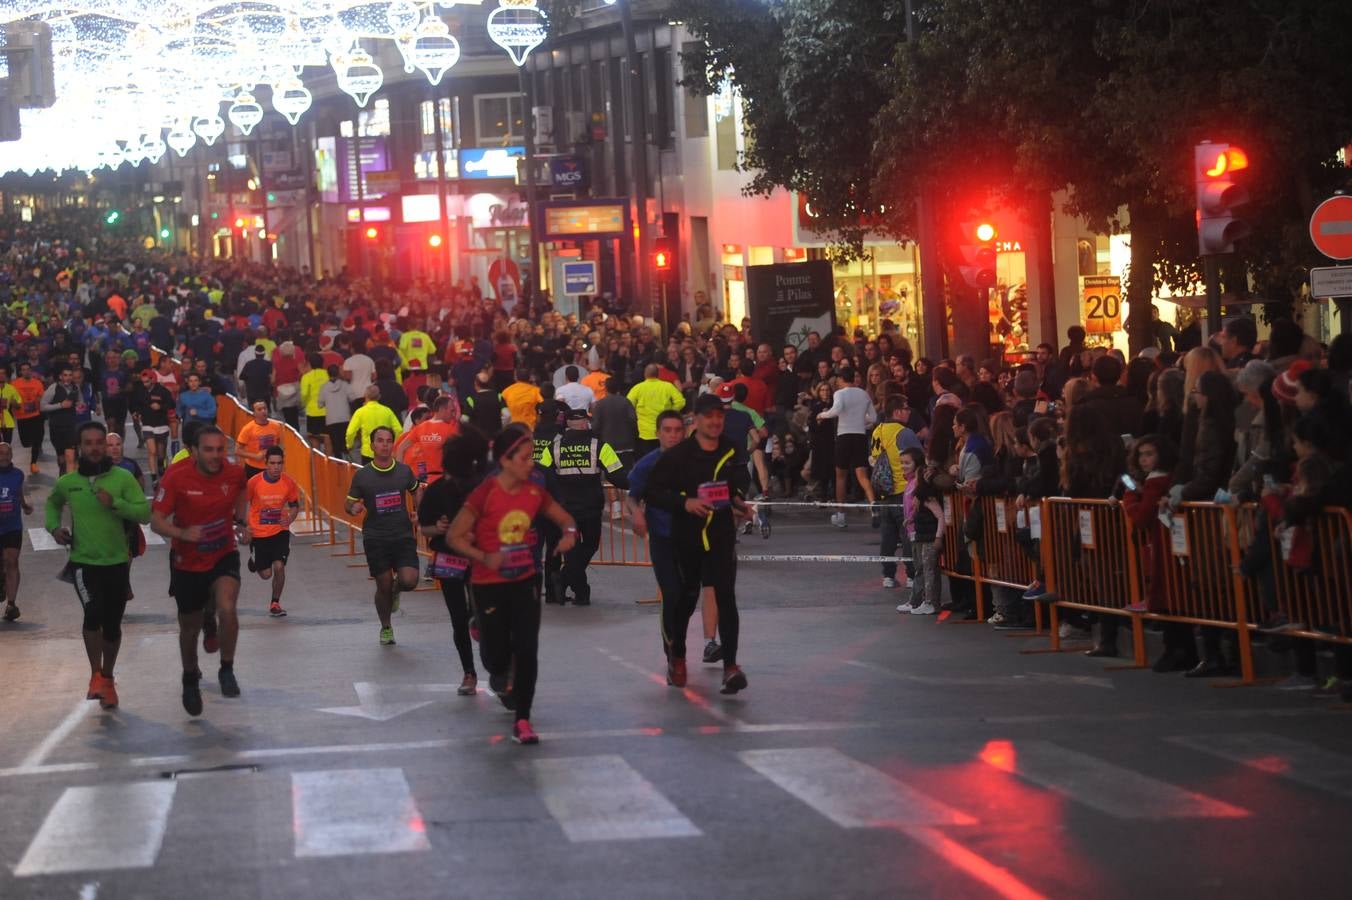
(1331,227)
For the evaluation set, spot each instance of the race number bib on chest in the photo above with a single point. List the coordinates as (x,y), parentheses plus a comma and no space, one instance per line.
(716,494)
(389,502)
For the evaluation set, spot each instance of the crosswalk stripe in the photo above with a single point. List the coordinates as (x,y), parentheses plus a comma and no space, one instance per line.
(1281,756)
(602,798)
(1106,787)
(850,793)
(353,811)
(118,826)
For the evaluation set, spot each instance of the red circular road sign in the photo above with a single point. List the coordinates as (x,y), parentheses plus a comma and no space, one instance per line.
(1331,227)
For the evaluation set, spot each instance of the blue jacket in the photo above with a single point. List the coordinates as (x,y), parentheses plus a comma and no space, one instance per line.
(197,406)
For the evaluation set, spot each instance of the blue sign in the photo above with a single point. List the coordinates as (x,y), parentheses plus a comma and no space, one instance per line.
(579,278)
(490,162)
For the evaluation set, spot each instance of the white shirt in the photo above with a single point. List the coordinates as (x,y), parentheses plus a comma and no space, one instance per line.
(576,394)
(363,369)
(852,410)
(561,374)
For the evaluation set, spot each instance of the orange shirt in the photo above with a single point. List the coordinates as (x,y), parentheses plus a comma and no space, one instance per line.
(118,306)
(597,382)
(30,390)
(256,439)
(268,502)
(423,454)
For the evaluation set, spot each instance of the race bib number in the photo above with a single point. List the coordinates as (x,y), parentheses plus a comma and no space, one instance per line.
(270,516)
(449,566)
(518,561)
(416,343)
(6,507)
(266,440)
(422,470)
(389,502)
(716,494)
(215,536)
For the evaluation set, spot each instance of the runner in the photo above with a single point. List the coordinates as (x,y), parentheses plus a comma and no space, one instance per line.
(274,503)
(465,459)
(255,438)
(151,403)
(13,506)
(102,497)
(10,403)
(698,483)
(58,403)
(367,420)
(202,497)
(655,525)
(420,448)
(378,492)
(493,530)
(28,418)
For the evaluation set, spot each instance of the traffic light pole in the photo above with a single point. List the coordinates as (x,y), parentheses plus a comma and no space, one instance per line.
(1212,272)
(638,130)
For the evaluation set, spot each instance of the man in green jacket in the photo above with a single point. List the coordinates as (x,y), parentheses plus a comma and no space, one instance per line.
(372,415)
(102,497)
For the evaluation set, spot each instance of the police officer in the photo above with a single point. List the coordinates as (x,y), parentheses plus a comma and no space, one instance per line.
(579,461)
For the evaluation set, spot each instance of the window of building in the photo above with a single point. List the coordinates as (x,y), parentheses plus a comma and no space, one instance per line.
(499,119)
(664,128)
(375,122)
(725,130)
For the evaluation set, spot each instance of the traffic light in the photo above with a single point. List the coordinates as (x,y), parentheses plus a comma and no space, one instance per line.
(372,233)
(165,233)
(664,258)
(1215,167)
(112,217)
(240,223)
(976,247)
(434,241)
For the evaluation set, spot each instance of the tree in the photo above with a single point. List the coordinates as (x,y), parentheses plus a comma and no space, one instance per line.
(1103,98)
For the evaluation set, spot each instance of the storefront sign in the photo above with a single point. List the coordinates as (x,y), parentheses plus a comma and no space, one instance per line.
(383,182)
(1102,297)
(494,211)
(490,162)
(579,277)
(788,300)
(602,219)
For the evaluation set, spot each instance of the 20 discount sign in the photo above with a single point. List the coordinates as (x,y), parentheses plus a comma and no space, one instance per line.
(1102,299)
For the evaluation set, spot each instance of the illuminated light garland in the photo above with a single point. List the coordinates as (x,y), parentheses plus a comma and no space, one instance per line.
(181,138)
(291,98)
(209,127)
(435,51)
(518,26)
(358,75)
(245,113)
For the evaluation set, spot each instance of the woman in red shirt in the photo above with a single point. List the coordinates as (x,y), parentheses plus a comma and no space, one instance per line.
(504,361)
(493,530)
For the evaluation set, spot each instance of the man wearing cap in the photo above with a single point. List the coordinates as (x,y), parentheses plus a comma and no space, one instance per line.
(698,482)
(580,460)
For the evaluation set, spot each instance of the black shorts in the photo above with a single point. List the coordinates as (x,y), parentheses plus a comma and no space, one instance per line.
(192,590)
(384,556)
(268,550)
(851,451)
(250,471)
(12,540)
(102,584)
(315,424)
(30,430)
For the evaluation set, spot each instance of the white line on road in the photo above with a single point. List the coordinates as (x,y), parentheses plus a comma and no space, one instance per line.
(696,699)
(1293,760)
(995,681)
(119,826)
(1108,788)
(347,812)
(602,798)
(58,734)
(89,891)
(849,793)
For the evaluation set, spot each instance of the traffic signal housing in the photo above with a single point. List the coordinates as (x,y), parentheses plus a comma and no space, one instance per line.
(664,259)
(976,251)
(1216,169)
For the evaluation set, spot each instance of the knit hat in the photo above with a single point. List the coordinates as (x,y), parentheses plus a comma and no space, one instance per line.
(1284,388)
(1254,375)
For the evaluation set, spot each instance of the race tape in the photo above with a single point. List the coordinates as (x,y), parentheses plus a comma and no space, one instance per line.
(821,558)
(819,504)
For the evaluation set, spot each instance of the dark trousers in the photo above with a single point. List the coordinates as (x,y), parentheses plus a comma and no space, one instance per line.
(509,632)
(115,413)
(30,435)
(457,604)
(548,580)
(894,535)
(576,560)
(291,414)
(663,556)
(695,568)
(643,448)
(337,432)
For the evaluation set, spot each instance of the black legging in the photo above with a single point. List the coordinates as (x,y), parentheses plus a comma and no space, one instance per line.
(30,435)
(509,631)
(457,604)
(696,568)
(103,594)
(337,432)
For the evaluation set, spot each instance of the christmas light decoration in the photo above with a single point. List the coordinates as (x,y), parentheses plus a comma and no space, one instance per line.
(518,27)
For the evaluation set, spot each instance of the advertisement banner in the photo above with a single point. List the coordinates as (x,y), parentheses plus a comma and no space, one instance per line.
(788,300)
(1102,298)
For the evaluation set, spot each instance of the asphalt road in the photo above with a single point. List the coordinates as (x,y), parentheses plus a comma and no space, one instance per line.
(874,755)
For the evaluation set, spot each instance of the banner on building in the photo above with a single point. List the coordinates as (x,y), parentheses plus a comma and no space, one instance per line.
(789,300)
(1102,296)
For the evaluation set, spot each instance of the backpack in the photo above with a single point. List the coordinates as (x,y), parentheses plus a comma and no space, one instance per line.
(881,477)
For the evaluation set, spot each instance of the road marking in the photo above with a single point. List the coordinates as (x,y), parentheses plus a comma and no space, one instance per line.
(694,697)
(58,734)
(374,706)
(151,537)
(89,891)
(602,798)
(118,826)
(354,811)
(1108,788)
(1293,760)
(41,539)
(998,681)
(849,793)
(998,879)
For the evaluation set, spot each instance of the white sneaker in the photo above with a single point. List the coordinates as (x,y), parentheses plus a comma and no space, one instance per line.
(904,608)
(889,583)
(1068,631)
(924,609)
(838,519)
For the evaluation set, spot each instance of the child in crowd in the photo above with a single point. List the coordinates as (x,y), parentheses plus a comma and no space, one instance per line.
(925,524)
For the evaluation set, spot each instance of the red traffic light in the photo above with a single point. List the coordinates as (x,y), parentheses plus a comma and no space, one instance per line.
(1219,197)
(239,223)
(985,232)
(372,233)
(434,240)
(662,260)
(1224,161)
(664,257)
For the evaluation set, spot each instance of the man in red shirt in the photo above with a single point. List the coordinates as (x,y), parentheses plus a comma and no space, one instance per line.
(419,448)
(201,508)
(757,394)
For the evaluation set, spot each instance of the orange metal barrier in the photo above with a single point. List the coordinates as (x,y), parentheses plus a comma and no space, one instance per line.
(619,546)
(1319,598)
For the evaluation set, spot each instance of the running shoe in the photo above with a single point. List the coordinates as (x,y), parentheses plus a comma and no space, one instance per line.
(904,608)
(501,686)
(229,686)
(108,694)
(676,673)
(1329,687)
(734,680)
(192,693)
(522,733)
(924,609)
(889,583)
(1069,631)
(95,687)
(387,636)
(997,618)
(1136,608)
(249,563)
(838,519)
(1036,591)
(11,612)
(33,468)
(712,651)
(469,686)
(1297,682)
(275,609)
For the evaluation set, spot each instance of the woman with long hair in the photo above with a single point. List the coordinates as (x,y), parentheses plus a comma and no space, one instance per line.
(1164,412)
(822,440)
(493,530)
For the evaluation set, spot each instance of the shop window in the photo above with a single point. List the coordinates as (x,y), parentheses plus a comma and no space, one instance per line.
(499,120)
(426,119)
(375,122)
(1087,254)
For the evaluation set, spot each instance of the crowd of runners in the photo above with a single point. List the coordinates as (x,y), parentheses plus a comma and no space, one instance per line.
(493,431)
